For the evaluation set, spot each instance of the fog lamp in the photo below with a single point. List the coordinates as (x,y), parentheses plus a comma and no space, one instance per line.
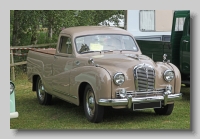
(121,92)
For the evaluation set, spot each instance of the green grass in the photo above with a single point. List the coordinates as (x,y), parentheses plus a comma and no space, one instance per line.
(63,115)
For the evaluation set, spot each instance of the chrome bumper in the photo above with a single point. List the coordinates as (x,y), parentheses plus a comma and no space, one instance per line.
(14,115)
(129,100)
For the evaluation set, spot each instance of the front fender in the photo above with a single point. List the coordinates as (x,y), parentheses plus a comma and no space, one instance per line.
(97,77)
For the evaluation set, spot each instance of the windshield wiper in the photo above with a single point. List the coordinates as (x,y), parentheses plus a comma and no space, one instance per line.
(97,51)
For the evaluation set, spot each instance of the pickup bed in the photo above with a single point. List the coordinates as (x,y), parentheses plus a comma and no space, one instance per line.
(102,66)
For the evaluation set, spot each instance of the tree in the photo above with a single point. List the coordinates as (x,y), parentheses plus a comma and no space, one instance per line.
(25,23)
(16,28)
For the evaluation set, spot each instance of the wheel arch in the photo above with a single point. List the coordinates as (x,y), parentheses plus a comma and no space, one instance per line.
(81,90)
(34,82)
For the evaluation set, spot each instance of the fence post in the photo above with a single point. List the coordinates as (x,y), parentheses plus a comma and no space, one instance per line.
(13,67)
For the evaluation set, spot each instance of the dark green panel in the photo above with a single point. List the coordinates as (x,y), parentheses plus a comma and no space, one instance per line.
(185,48)
(176,48)
(154,49)
(176,35)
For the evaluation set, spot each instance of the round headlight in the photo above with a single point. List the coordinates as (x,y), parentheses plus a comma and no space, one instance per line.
(12,87)
(168,75)
(119,78)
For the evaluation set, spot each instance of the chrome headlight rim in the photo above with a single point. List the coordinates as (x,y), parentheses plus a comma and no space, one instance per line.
(12,87)
(165,75)
(116,76)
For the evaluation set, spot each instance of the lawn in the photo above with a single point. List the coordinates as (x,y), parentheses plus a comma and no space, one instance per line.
(63,115)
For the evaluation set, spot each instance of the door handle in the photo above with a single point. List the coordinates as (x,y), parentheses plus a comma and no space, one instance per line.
(185,41)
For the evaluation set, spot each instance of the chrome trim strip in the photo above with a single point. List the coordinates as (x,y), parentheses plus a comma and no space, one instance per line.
(71,96)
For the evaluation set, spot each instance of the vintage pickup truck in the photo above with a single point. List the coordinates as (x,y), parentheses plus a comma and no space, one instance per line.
(102,66)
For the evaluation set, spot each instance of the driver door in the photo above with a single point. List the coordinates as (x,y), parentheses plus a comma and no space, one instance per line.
(62,65)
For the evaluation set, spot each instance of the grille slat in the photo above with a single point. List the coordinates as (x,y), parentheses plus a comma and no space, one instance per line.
(142,82)
(144,77)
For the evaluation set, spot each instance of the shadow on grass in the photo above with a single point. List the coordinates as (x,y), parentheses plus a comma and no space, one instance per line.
(186,92)
(110,114)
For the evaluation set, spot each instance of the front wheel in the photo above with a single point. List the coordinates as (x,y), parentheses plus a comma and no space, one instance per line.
(43,97)
(93,111)
(165,110)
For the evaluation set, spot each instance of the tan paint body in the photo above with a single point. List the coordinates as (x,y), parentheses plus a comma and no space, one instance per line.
(62,77)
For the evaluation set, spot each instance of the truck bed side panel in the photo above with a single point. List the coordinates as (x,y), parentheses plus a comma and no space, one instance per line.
(40,64)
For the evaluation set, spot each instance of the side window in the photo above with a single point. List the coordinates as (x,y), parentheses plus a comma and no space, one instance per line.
(65,45)
(147,20)
(179,23)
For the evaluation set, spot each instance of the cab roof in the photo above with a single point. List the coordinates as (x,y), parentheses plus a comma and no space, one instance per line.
(89,30)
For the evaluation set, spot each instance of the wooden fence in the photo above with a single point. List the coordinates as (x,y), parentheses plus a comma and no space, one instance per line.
(29,47)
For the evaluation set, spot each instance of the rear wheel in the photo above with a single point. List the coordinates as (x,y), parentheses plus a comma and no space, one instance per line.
(93,111)
(43,97)
(165,110)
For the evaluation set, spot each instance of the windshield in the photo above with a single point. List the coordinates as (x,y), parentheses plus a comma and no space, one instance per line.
(105,42)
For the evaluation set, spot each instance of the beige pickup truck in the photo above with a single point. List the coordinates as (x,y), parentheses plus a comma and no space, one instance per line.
(102,66)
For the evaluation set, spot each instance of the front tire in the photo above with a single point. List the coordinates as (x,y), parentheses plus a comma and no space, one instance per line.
(94,112)
(43,97)
(165,110)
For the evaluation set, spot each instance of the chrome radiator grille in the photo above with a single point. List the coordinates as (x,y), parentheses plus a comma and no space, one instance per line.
(144,76)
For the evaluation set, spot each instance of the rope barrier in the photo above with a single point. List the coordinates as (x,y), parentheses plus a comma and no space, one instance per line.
(29,48)
(16,54)
(21,48)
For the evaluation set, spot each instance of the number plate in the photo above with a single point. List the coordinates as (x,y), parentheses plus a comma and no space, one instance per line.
(140,106)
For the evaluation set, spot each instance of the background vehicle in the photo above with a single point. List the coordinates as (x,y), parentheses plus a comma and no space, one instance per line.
(176,45)
(13,112)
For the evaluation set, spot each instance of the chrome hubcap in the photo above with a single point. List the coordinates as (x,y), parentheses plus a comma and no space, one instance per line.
(41,91)
(90,103)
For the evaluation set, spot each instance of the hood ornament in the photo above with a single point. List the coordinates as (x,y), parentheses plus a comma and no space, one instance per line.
(165,59)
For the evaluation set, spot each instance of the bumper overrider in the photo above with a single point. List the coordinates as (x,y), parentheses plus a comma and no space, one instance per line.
(14,115)
(129,100)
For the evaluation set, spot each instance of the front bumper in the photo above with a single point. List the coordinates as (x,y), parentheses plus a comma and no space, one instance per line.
(14,115)
(166,98)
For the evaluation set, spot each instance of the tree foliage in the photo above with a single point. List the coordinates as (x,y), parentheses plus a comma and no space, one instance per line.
(26,25)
